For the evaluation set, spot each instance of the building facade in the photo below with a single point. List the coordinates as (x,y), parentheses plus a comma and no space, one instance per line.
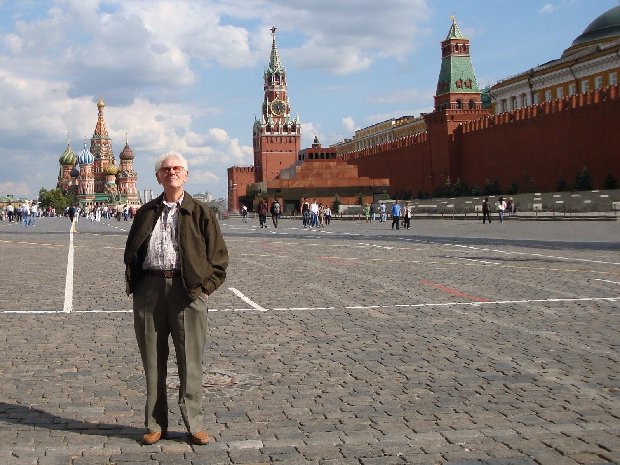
(591,62)
(93,175)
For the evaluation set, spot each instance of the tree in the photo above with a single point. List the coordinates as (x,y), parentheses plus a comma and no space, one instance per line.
(583,180)
(54,198)
(336,204)
(561,185)
(513,188)
(360,199)
(459,188)
(610,182)
(491,187)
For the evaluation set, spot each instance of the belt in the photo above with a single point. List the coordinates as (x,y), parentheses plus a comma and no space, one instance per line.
(163,273)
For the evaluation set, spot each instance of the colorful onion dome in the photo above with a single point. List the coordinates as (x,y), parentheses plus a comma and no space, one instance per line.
(75,172)
(68,157)
(127,153)
(110,170)
(85,157)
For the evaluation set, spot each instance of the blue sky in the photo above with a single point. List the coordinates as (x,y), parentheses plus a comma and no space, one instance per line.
(187,75)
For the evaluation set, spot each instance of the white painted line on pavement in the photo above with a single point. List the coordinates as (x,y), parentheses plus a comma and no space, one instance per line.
(606,281)
(68,305)
(247,300)
(256,307)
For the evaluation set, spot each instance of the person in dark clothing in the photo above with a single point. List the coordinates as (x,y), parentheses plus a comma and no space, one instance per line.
(486,210)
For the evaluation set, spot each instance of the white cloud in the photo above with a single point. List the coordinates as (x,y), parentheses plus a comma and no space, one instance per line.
(349,124)
(17,189)
(548,8)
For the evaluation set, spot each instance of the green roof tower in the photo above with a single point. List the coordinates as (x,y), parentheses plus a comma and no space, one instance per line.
(457,87)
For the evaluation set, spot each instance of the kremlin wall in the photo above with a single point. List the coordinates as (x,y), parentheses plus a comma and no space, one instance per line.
(528,133)
(534,147)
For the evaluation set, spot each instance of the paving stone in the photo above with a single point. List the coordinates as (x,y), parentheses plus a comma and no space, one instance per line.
(362,360)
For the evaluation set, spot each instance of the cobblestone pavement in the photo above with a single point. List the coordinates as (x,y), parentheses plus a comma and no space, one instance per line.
(451,343)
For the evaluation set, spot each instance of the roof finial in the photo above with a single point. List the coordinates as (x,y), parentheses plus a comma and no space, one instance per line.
(126,137)
(273,30)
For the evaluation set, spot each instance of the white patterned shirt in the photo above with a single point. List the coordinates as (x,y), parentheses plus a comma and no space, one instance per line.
(163,250)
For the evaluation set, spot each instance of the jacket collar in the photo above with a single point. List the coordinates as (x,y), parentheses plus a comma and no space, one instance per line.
(187,205)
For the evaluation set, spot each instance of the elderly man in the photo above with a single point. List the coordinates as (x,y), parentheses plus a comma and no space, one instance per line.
(175,257)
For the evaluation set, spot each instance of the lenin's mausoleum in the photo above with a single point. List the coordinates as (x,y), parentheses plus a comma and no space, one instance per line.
(535,130)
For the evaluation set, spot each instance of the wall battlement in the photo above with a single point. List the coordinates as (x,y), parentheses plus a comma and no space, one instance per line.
(400,143)
(541,109)
(242,169)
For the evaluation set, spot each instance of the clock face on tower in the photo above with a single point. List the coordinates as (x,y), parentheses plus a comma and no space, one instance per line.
(278,107)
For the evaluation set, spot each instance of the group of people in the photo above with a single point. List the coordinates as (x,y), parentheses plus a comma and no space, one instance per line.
(99,210)
(315,215)
(318,215)
(25,214)
(503,207)
(263,210)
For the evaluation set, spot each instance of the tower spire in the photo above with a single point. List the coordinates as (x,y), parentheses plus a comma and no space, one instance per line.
(274,60)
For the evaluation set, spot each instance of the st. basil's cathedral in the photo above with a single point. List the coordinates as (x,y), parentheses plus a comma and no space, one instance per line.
(92,175)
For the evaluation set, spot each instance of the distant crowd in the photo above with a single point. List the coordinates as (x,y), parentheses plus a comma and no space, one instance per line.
(318,215)
(27,212)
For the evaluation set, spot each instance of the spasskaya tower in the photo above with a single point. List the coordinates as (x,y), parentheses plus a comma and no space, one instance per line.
(277,136)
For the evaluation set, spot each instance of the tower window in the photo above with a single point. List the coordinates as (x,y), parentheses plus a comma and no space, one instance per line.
(613,79)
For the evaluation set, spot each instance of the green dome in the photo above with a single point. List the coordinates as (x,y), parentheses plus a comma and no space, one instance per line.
(68,157)
(606,26)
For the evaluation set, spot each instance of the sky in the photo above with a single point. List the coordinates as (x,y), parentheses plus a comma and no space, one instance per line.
(187,76)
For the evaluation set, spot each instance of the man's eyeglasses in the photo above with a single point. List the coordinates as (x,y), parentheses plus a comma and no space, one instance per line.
(176,169)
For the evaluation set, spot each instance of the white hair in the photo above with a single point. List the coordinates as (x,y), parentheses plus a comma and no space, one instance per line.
(162,158)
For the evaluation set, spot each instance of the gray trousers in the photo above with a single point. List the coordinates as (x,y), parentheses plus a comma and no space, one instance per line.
(162,308)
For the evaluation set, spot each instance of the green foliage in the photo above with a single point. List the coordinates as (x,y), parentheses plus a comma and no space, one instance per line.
(610,182)
(475,191)
(360,199)
(491,188)
(561,185)
(459,188)
(55,198)
(513,188)
(336,204)
(384,196)
(583,180)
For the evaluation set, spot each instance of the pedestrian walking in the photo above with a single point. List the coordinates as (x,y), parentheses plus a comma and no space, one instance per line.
(275,212)
(486,210)
(501,209)
(175,257)
(396,215)
(406,217)
(73,217)
(262,213)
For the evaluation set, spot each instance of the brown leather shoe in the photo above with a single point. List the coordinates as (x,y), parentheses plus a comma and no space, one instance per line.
(153,437)
(200,438)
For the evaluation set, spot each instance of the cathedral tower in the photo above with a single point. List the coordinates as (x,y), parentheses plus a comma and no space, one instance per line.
(127,179)
(101,148)
(277,137)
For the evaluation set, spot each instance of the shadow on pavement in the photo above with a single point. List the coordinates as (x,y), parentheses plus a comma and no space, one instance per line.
(22,415)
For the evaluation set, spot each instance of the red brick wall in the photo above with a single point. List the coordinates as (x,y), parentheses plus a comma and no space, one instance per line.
(533,147)
(537,151)
(239,177)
